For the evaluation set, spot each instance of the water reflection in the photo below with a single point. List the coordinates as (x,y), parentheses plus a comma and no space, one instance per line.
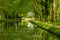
(16,25)
(29,25)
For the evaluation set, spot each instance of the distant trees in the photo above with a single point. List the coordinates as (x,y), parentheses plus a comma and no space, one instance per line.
(53,11)
(11,9)
(41,9)
(45,10)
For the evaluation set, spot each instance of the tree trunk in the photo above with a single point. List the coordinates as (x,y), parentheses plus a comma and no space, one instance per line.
(53,18)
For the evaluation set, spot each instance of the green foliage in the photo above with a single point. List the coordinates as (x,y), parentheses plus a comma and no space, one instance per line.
(42,9)
(47,27)
(16,6)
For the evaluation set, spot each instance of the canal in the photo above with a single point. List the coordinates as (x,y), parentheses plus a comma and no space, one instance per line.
(25,31)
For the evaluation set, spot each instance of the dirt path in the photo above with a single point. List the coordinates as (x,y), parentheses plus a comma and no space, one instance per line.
(52,25)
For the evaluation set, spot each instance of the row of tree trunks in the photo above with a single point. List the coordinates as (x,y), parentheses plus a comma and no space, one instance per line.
(53,11)
(48,15)
(12,24)
(47,10)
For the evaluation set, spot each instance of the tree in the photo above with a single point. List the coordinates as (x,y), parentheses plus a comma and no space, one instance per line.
(12,8)
(53,11)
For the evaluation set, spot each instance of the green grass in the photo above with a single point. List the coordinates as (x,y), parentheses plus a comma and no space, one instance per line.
(48,28)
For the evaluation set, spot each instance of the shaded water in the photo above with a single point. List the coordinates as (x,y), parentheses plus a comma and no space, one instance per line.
(26,31)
